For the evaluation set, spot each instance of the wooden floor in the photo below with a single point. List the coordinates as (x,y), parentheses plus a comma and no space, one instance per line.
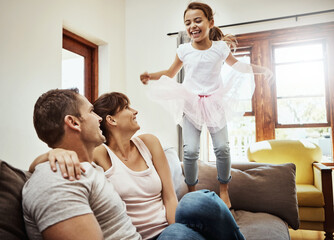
(306,235)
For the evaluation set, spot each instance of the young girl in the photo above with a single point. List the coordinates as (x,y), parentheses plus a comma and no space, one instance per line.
(203,98)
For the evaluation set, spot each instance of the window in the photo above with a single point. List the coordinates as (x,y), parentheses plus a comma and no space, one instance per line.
(80,65)
(302,109)
(300,85)
(300,105)
(73,71)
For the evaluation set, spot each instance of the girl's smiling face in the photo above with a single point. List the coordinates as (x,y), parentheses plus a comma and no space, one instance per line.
(197,25)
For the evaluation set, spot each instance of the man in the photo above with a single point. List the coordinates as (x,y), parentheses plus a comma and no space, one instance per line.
(88,208)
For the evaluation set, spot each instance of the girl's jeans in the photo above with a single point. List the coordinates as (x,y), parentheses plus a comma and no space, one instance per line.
(191,144)
(202,215)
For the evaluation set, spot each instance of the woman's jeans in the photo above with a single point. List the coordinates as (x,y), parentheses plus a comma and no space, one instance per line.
(191,145)
(202,215)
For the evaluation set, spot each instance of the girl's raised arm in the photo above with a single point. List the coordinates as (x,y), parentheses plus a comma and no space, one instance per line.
(171,72)
(249,68)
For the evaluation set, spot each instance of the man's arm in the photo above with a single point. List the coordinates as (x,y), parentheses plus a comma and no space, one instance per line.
(80,227)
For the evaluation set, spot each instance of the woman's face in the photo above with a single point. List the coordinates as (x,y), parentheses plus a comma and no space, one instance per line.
(126,118)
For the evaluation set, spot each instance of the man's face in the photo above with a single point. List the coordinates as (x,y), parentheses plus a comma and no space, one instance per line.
(90,123)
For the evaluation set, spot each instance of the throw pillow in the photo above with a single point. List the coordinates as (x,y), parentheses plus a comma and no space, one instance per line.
(266,188)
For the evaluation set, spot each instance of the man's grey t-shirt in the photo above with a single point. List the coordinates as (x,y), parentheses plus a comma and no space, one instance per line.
(48,198)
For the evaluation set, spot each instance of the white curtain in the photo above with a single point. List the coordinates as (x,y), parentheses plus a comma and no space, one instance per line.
(182,37)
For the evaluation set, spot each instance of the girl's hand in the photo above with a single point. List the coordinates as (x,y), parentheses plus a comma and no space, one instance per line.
(68,162)
(145,77)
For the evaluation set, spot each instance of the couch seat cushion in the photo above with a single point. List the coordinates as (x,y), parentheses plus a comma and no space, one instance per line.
(309,196)
(261,226)
(312,214)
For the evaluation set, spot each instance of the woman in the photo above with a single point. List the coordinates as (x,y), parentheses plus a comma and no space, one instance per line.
(140,173)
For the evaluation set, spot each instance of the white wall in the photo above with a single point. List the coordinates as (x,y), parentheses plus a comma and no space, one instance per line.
(132,38)
(148,48)
(30,61)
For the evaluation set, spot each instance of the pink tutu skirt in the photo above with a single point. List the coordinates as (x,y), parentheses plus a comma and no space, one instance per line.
(214,110)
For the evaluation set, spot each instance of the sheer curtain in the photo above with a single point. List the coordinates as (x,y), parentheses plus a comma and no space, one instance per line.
(182,37)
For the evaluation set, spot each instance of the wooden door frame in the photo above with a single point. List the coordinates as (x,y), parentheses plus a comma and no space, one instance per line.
(89,51)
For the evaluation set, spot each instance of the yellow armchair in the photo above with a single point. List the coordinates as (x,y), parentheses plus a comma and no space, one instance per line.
(313,179)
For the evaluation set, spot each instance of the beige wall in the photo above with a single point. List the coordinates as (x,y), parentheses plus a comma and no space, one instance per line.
(30,61)
(148,48)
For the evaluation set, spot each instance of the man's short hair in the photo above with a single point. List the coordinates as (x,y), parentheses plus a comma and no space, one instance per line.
(50,111)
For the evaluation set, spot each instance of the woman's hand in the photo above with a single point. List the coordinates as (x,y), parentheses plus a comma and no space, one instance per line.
(68,162)
(145,77)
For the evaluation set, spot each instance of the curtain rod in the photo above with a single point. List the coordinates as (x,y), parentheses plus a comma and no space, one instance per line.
(268,19)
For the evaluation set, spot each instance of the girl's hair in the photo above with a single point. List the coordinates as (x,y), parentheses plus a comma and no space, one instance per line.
(215,33)
(109,104)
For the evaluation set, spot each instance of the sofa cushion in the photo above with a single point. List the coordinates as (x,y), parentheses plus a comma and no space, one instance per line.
(11,220)
(311,214)
(176,170)
(309,196)
(268,188)
(261,226)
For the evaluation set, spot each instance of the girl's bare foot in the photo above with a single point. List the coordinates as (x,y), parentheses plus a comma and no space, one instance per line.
(223,194)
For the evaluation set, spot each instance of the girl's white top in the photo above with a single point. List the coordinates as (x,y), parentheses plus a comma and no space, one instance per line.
(212,93)
(141,192)
(203,67)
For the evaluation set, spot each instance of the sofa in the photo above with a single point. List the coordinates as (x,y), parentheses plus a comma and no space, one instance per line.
(263,197)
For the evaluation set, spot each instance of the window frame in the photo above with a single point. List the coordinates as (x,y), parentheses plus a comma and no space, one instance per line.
(306,125)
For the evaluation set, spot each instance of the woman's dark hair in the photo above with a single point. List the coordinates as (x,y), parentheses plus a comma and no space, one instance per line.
(109,104)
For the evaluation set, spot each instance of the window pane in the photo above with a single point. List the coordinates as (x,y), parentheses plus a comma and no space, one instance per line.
(319,136)
(301,110)
(300,79)
(245,91)
(72,71)
(300,84)
(298,53)
(240,134)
